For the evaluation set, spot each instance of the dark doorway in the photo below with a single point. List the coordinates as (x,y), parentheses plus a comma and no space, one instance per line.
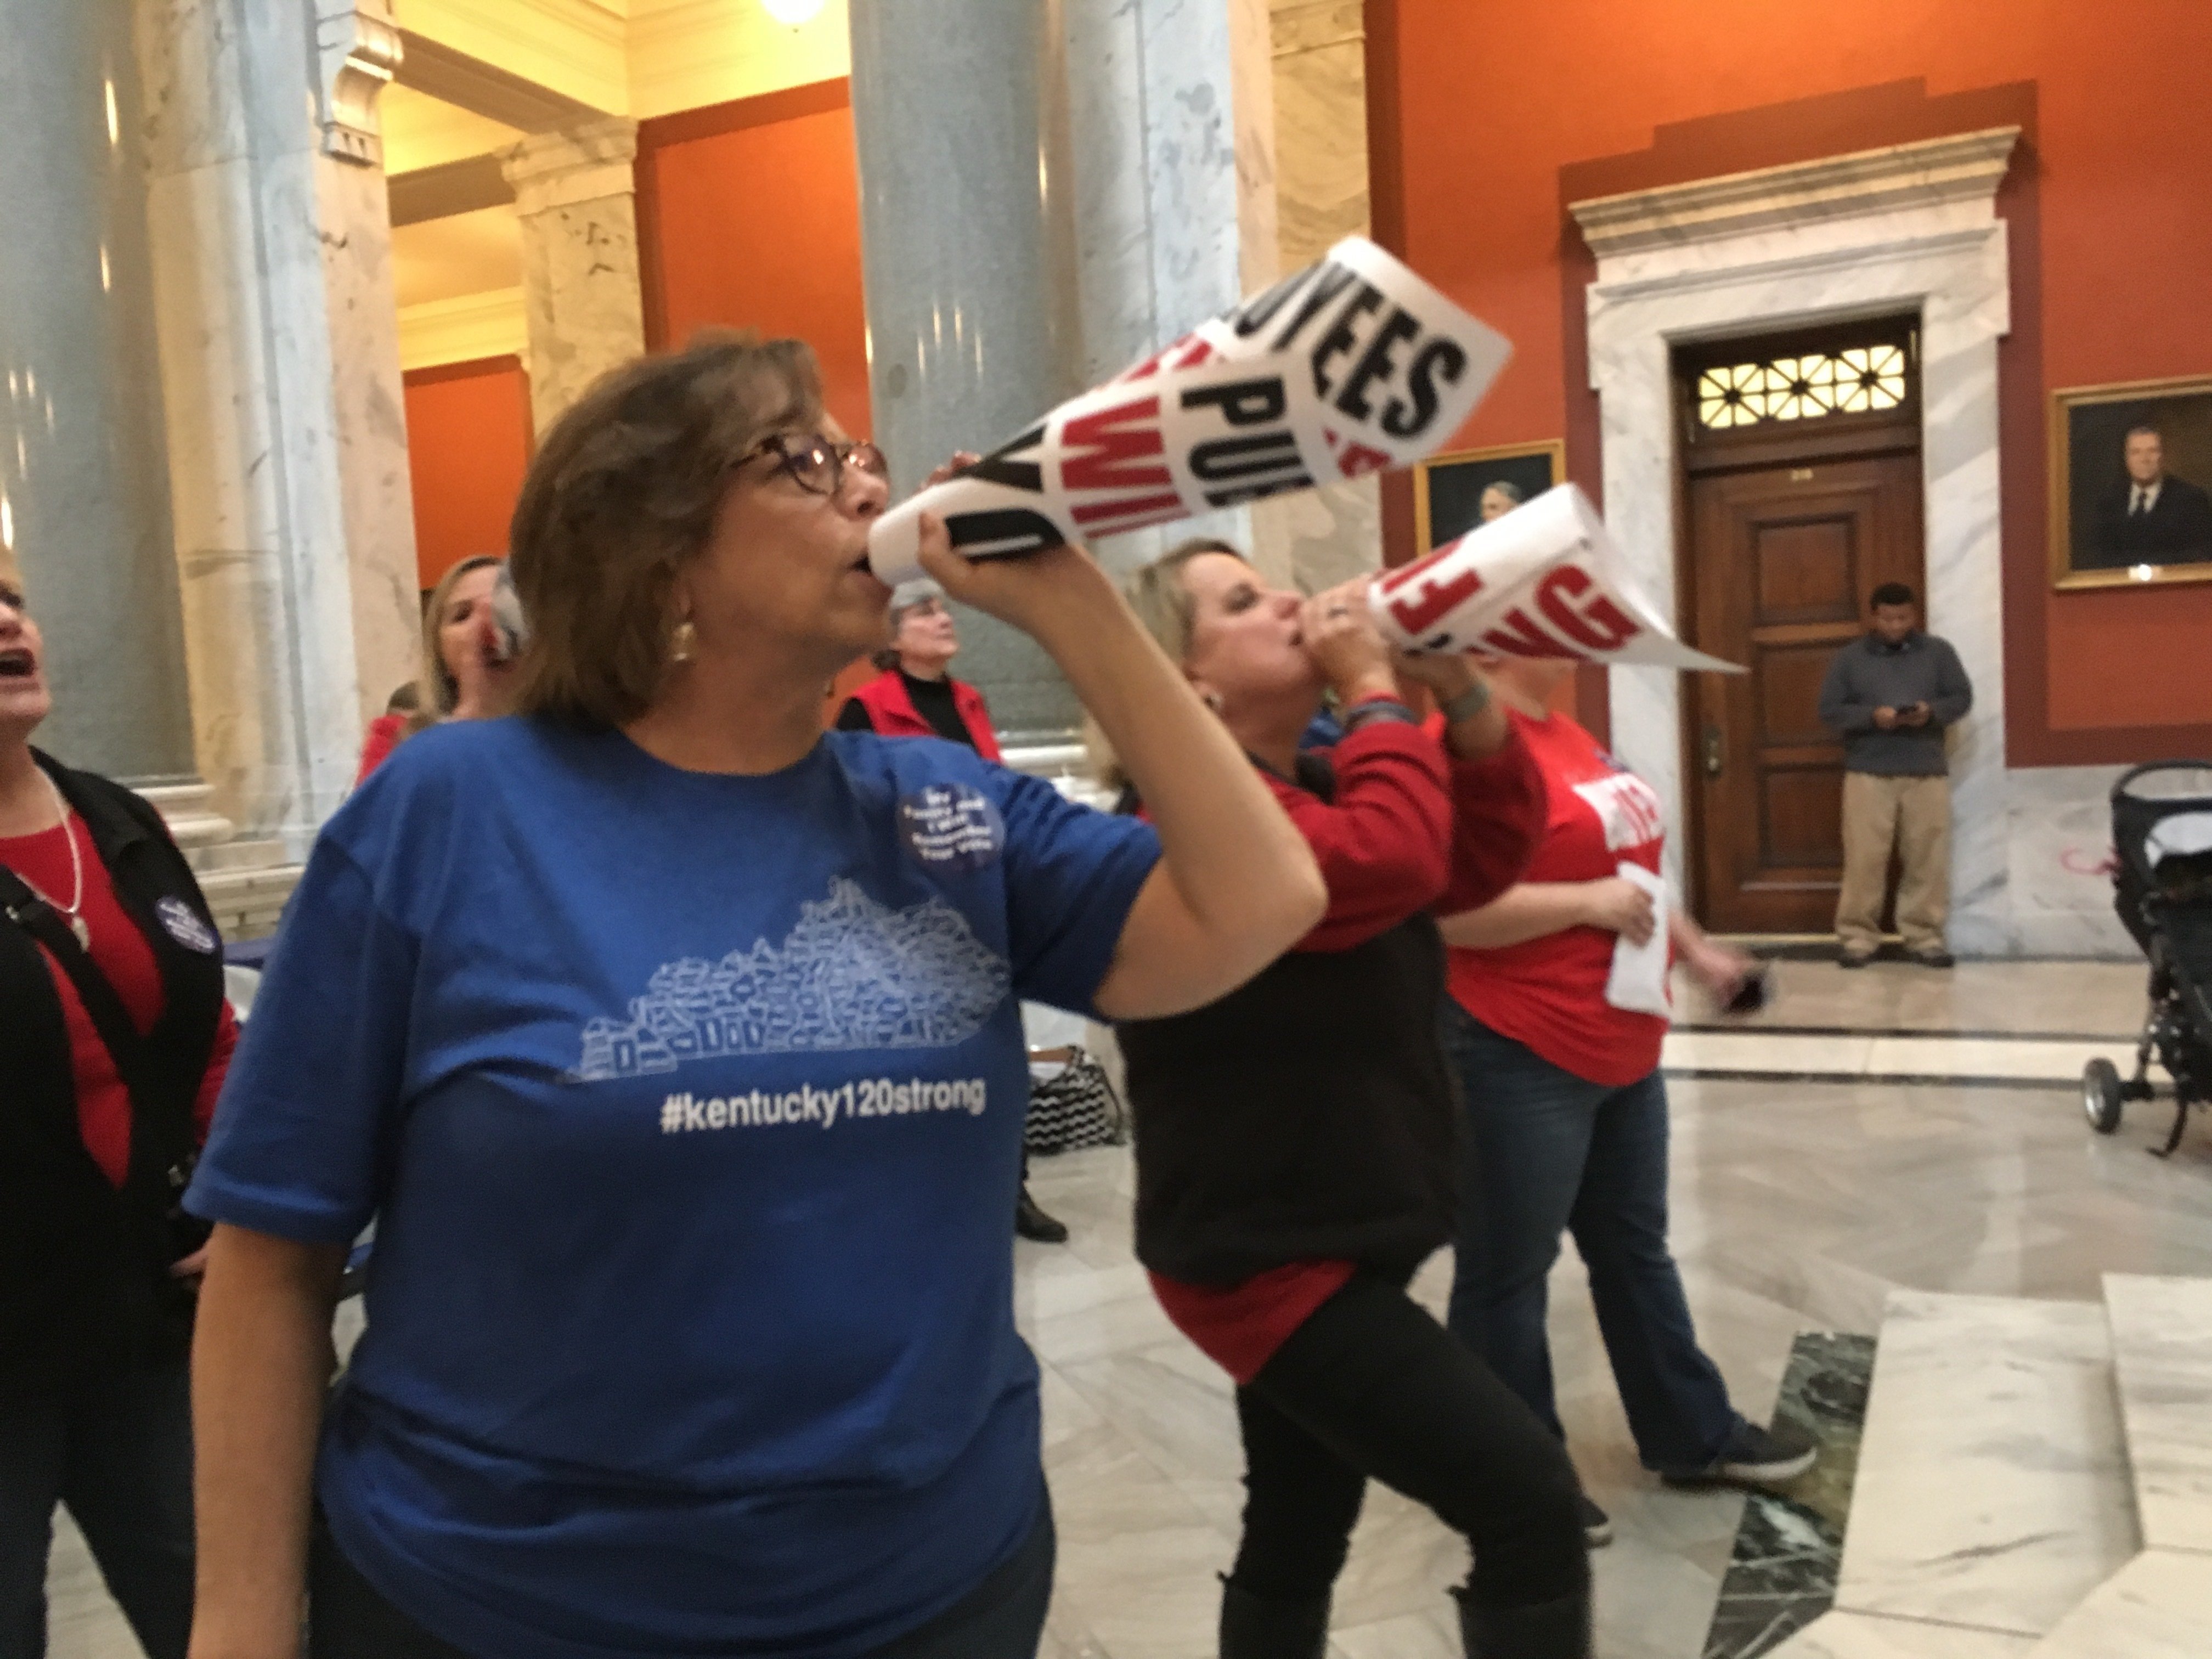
(1801,494)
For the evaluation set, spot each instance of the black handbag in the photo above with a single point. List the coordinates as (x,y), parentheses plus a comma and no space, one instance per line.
(1075,1109)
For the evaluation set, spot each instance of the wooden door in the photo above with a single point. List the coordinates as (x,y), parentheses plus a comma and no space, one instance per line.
(1784,555)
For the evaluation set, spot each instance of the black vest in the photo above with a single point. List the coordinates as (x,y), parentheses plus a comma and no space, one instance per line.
(84,1279)
(1309,1116)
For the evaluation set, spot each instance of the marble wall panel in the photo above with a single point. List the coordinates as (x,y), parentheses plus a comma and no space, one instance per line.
(280,372)
(2059,851)
(575,197)
(369,428)
(1321,125)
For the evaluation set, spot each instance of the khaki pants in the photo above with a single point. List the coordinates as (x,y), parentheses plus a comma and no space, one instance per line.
(1913,815)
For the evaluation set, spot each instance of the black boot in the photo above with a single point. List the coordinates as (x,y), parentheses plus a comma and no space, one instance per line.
(1253,1629)
(1551,1629)
(1032,1222)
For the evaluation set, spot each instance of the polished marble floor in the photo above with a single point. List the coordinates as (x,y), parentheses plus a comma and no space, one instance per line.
(1797,1207)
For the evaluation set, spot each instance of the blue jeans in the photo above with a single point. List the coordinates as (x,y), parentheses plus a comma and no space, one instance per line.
(1548,1152)
(118,1452)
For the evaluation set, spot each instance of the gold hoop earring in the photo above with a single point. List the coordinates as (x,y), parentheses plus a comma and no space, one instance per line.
(684,642)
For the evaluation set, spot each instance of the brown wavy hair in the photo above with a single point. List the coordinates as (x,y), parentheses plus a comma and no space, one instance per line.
(621,495)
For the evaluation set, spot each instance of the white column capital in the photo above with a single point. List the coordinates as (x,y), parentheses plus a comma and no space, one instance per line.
(585,163)
(358,52)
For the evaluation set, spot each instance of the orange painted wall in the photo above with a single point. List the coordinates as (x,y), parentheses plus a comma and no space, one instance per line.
(468,445)
(751,216)
(1476,105)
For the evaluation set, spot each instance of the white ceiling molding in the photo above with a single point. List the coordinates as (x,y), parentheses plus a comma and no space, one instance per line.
(687,54)
(577,50)
(1959,167)
(464,329)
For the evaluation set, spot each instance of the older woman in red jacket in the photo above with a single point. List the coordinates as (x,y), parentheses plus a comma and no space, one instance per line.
(916,696)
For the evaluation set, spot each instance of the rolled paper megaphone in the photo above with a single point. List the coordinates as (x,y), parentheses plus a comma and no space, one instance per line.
(1544,581)
(510,629)
(1353,365)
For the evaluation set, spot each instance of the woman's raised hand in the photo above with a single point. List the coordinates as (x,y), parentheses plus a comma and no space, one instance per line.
(1339,633)
(961,461)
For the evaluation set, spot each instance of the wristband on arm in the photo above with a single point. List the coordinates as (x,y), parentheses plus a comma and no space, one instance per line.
(1368,710)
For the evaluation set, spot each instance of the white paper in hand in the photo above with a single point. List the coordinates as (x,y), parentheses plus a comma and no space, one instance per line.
(1639,981)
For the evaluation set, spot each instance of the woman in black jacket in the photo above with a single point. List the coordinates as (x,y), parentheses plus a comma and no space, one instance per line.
(1295,1139)
(116,1035)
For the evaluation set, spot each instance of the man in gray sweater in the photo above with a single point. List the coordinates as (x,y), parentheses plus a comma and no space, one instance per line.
(1890,696)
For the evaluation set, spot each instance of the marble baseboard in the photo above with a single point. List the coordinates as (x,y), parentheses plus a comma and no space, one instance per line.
(2157,1607)
(1862,1636)
(2162,1355)
(1790,1545)
(1992,1483)
(1844,1055)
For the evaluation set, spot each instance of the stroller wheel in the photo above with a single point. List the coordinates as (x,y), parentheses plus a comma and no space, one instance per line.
(2100,1095)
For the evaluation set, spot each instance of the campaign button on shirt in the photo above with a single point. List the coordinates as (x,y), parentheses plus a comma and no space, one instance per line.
(179,921)
(951,826)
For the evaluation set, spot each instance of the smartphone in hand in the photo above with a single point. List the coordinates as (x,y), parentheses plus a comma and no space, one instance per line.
(1753,994)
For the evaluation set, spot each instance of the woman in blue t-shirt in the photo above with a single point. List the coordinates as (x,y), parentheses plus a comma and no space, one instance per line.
(674,1045)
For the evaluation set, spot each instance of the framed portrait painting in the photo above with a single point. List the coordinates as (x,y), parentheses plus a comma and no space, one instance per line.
(1449,490)
(2131,483)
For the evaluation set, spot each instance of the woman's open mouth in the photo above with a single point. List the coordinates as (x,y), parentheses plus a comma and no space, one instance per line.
(18,664)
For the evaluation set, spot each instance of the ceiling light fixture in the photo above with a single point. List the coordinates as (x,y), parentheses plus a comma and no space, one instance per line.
(793,13)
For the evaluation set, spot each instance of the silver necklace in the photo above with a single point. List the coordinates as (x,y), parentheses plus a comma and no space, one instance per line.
(77,921)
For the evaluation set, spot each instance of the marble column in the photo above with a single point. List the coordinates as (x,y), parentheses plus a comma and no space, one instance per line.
(279,361)
(1114,188)
(1171,112)
(83,507)
(575,192)
(959,109)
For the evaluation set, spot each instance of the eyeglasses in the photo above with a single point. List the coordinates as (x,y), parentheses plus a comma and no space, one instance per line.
(817,464)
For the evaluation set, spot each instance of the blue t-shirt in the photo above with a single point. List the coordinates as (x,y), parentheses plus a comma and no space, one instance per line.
(689,1109)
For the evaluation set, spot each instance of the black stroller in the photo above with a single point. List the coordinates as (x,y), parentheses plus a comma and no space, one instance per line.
(2162,833)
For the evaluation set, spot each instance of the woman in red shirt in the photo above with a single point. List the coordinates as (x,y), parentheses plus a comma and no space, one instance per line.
(116,1038)
(1295,1141)
(458,679)
(1567,1114)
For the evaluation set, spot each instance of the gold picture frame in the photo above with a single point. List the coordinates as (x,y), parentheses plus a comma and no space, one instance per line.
(2088,429)
(1447,487)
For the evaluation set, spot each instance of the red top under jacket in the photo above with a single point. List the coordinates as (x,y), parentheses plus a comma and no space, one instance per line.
(1548,994)
(103,1104)
(1411,828)
(385,732)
